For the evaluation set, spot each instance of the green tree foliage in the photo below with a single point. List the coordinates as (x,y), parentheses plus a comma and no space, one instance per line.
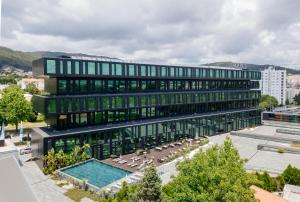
(267,102)
(14,108)
(8,79)
(149,189)
(53,161)
(291,175)
(32,89)
(214,175)
(297,99)
(267,182)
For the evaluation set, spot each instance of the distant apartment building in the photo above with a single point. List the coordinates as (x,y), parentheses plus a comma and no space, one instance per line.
(273,82)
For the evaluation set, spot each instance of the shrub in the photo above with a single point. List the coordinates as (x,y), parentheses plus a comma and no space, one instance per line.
(54,161)
(280,150)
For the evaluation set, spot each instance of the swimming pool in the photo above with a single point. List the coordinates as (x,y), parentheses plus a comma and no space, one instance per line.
(97,173)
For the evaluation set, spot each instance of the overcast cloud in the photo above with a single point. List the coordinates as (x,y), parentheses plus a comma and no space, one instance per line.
(160,31)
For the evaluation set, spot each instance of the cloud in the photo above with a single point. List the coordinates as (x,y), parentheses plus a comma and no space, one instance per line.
(181,32)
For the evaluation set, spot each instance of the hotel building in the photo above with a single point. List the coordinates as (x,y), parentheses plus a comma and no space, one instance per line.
(119,107)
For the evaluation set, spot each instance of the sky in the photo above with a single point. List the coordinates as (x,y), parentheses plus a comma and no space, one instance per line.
(158,31)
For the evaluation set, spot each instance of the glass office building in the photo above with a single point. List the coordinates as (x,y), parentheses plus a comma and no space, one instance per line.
(119,107)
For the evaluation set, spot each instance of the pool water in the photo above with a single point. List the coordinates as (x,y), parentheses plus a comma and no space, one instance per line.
(97,173)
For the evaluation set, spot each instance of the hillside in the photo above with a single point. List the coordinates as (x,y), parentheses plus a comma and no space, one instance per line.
(22,60)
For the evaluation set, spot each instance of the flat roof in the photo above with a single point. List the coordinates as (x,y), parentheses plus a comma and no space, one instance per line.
(50,132)
(114,60)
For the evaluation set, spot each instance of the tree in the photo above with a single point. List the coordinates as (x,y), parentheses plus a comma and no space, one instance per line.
(267,182)
(149,188)
(291,175)
(14,108)
(297,99)
(53,161)
(32,89)
(268,102)
(215,175)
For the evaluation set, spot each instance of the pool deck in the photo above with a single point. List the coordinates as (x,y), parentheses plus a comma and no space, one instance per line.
(153,154)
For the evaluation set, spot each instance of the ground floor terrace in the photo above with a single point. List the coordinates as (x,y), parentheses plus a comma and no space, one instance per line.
(115,140)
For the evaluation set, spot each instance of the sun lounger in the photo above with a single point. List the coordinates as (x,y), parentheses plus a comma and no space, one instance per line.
(116,160)
(158,148)
(165,146)
(137,159)
(122,162)
(134,165)
(171,145)
(140,166)
(149,162)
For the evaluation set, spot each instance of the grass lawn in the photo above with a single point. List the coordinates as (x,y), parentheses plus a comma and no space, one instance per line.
(78,194)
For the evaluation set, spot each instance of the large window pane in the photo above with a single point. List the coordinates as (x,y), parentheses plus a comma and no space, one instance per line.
(143,70)
(62,86)
(69,67)
(131,70)
(105,69)
(91,68)
(76,67)
(51,106)
(118,69)
(51,67)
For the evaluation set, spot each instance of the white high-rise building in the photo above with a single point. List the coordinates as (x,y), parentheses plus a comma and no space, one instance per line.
(273,82)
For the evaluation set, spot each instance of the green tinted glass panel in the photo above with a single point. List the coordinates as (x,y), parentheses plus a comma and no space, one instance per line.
(105,69)
(51,106)
(62,86)
(51,67)
(69,67)
(91,103)
(131,70)
(76,67)
(143,70)
(153,71)
(91,68)
(163,71)
(118,69)
(172,71)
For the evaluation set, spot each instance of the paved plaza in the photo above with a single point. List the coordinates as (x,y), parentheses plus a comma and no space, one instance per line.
(43,186)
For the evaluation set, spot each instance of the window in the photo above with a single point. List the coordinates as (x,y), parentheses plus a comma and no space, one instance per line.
(62,86)
(51,106)
(69,67)
(105,103)
(153,71)
(76,67)
(118,69)
(180,72)
(83,86)
(172,71)
(91,68)
(91,103)
(98,85)
(105,68)
(131,70)
(143,70)
(163,71)
(51,67)
(131,101)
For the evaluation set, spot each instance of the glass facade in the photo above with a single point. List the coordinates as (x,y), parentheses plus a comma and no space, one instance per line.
(164,103)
